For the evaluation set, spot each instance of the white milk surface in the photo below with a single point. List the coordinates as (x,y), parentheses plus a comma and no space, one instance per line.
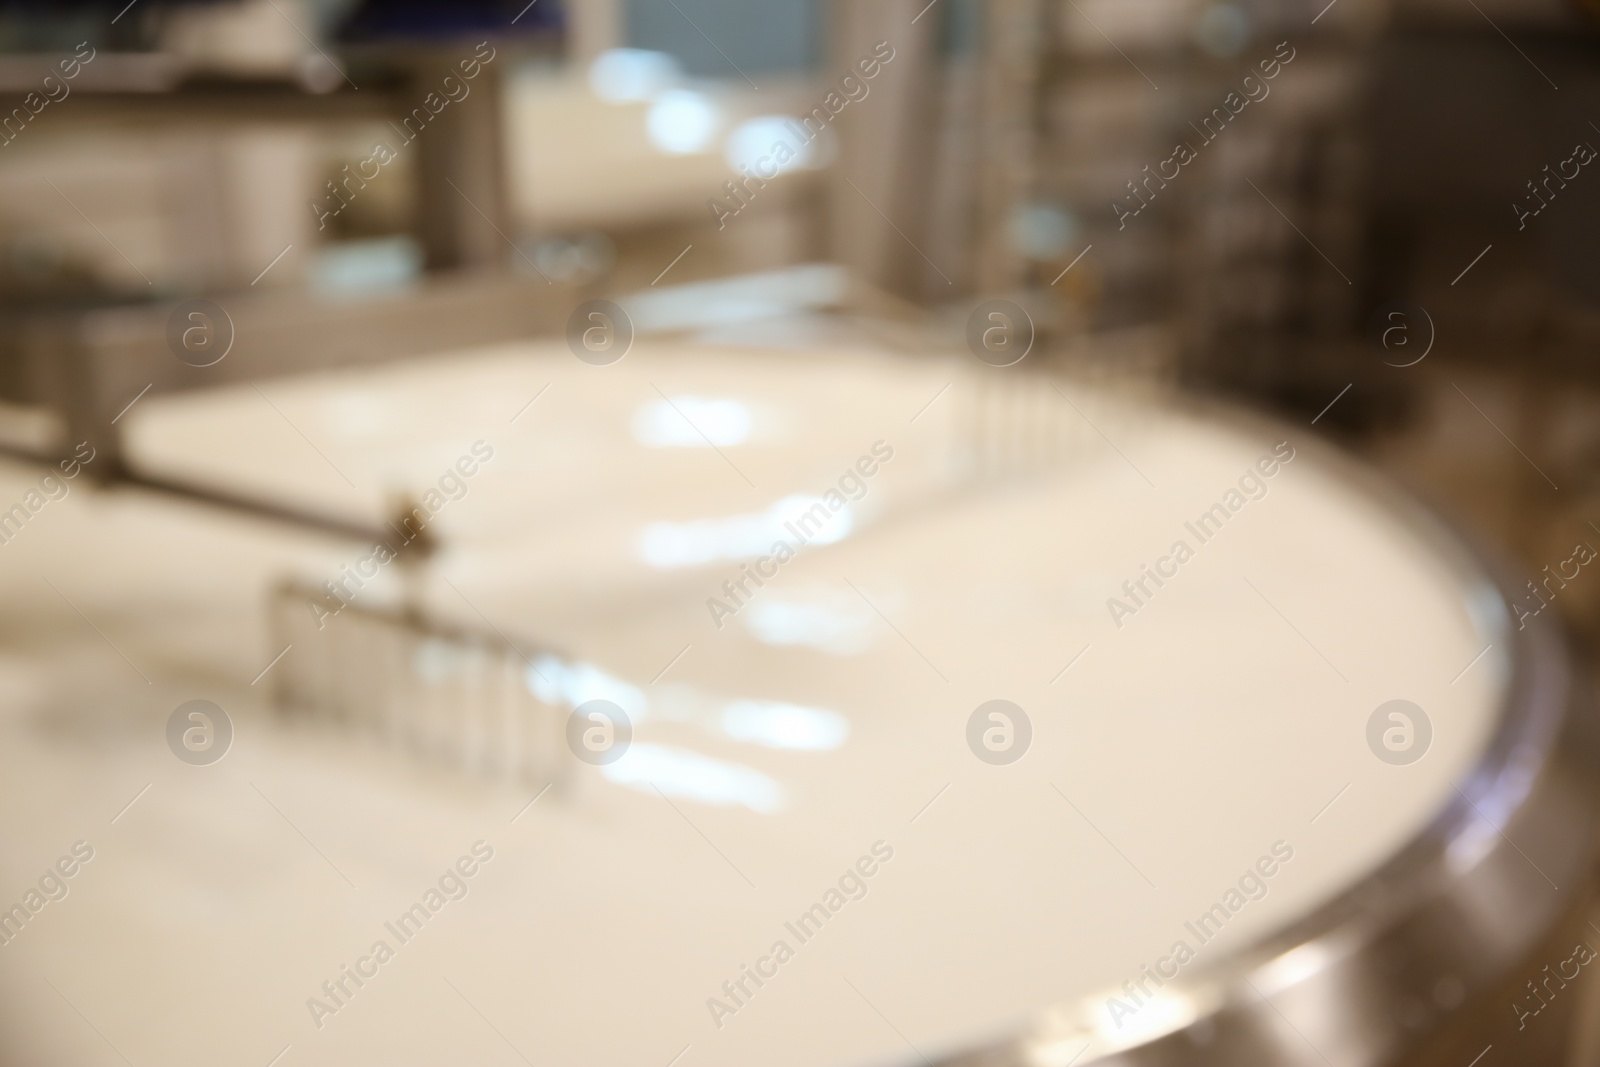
(821,726)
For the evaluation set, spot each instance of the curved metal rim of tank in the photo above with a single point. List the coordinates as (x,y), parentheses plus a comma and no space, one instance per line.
(1461,901)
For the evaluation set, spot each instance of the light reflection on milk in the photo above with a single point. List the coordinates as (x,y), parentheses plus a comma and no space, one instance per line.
(699,541)
(683,772)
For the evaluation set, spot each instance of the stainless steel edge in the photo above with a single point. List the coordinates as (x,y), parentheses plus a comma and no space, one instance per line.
(1407,962)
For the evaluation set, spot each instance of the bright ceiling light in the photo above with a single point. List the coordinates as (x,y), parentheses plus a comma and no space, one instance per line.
(755,143)
(626,75)
(682,121)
